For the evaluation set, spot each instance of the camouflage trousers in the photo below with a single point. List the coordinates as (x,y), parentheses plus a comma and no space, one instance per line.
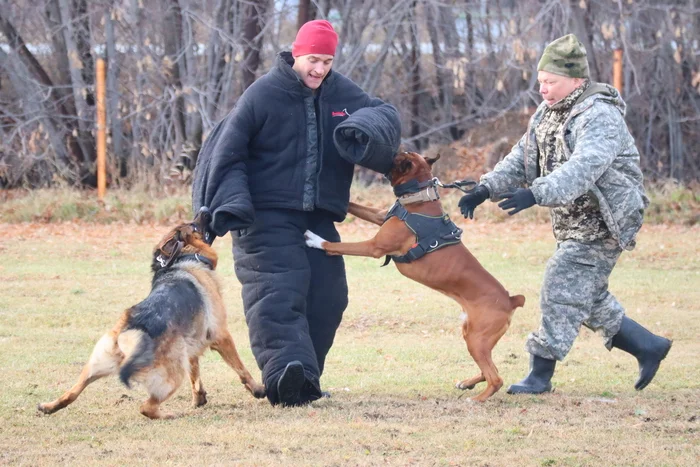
(575,292)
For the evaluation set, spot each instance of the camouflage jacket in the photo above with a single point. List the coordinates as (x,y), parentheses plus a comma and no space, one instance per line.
(601,159)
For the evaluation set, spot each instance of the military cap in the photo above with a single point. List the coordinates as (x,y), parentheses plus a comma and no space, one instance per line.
(565,56)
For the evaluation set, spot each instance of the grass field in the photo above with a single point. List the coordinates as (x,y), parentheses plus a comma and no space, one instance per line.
(391,371)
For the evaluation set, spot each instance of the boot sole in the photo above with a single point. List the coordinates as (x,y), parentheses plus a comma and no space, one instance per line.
(522,390)
(290,384)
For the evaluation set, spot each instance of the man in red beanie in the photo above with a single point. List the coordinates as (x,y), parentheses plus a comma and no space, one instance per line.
(270,171)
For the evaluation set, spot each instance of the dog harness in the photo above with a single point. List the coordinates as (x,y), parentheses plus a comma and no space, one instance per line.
(432,233)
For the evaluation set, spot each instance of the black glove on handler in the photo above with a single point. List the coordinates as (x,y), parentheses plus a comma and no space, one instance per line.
(520,199)
(472,199)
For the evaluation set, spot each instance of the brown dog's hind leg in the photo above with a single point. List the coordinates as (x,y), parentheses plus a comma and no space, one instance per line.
(199,395)
(227,350)
(104,361)
(471,382)
(480,343)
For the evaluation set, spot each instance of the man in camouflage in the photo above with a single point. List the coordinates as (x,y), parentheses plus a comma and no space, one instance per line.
(578,158)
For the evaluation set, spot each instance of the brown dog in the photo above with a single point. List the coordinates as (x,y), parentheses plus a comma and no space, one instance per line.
(448,266)
(159,341)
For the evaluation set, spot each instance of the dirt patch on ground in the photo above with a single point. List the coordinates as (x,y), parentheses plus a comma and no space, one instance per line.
(478,151)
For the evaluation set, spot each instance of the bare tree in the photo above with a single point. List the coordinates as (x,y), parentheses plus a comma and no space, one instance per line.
(175,67)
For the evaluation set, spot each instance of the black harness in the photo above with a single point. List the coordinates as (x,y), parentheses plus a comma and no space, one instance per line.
(432,233)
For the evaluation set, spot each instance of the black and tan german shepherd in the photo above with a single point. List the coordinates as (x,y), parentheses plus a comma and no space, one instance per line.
(158,341)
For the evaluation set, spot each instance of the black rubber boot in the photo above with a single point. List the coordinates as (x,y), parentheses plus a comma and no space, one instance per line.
(539,380)
(290,384)
(648,348)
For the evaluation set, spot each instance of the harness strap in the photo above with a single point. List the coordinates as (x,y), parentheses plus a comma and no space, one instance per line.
(432,232)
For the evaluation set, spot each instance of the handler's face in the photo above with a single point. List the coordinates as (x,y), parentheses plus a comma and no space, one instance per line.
(554,88)
(313,68)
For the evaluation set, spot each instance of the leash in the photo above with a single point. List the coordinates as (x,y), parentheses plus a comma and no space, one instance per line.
(459,184)
(414,191)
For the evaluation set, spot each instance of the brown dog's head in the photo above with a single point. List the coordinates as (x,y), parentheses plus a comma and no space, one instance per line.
(185,239)
(411,166)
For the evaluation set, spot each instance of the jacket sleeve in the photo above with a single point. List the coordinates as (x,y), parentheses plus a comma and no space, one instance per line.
(508,173)
(597,143)
(370,137)
(221,178)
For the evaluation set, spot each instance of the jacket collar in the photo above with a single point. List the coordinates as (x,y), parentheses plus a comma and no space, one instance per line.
(283,71)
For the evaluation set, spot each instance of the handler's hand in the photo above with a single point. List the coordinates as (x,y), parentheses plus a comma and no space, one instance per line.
(520,199)
(472,199)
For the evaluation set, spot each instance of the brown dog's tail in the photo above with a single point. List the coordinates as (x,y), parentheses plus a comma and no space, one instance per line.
(139,352)
(517,301)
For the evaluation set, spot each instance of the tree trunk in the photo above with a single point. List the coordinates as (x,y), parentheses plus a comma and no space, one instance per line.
(172,38)
(415,77)
(80,90)
(583,27)
(253,24)
(115,121)
(306,12)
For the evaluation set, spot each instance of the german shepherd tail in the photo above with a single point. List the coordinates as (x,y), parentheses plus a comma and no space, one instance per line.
(139,352)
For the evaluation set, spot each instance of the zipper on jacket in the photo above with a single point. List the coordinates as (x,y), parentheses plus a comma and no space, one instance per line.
(312,159)
(319,145)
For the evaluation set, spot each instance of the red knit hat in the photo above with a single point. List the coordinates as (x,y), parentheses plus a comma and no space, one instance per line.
(315,37)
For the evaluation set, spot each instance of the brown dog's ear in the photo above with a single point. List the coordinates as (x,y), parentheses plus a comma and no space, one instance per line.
(433,160)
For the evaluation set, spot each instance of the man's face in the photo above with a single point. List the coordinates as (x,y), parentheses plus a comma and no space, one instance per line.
(313,68)
(554,88)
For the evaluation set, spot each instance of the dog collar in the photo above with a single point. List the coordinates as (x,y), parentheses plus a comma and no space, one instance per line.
(196,257)
(414,191)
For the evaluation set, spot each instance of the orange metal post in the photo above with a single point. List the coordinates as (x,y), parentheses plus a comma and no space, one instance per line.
(617,69)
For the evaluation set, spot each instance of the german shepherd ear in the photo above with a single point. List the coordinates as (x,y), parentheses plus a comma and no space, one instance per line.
(433,160)
(169,250)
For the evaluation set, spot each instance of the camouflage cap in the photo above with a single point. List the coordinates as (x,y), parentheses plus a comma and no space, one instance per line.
(565,56)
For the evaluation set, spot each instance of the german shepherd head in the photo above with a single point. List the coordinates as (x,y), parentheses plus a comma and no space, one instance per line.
(185,239)
(411,166)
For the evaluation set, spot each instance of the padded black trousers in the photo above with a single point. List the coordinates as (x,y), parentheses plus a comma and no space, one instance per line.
(293,296)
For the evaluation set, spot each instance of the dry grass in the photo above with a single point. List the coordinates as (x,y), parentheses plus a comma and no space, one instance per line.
(671,203)
(391,371)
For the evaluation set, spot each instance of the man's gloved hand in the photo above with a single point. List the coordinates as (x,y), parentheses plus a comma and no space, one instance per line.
(520,199)
(472,199)
(357,135)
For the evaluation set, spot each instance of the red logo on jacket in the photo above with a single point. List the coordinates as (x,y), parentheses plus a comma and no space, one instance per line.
(340,113)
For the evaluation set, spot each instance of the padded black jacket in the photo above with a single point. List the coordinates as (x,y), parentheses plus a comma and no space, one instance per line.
(272,151)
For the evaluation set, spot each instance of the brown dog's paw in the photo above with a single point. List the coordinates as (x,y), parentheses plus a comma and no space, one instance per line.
(258,391)
(45,409)
(463,386)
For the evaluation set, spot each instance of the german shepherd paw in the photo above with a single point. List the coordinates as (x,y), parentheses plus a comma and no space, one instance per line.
(199,399)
